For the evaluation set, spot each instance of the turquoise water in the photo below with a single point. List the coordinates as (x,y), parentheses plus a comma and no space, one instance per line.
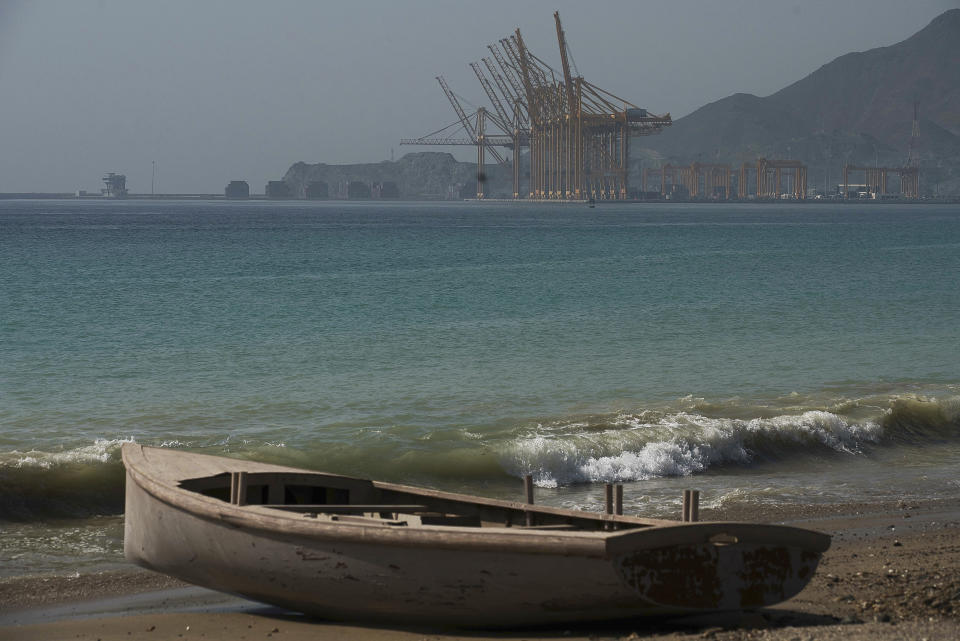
(760,352)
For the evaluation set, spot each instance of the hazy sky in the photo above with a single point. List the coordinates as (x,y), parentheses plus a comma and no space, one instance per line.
(214,91)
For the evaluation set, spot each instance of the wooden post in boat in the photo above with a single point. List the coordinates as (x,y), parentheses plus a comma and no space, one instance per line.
(238,488)
(608,496)
(242,489)
(528,490)
(528,487)
(691,505)
(618,500)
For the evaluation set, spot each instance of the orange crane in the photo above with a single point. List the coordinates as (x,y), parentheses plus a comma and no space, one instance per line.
(578,134)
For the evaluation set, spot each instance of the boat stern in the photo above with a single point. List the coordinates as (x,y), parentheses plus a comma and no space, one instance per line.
(719,566)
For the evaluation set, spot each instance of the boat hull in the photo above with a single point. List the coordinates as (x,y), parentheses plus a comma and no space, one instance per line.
(455,576)
(356,581)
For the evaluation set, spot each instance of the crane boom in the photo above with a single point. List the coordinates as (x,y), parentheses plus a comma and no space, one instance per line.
(457,108)
(504,119)
(467,124)
(567,78)
(509,72)
(504,89)
(521,56)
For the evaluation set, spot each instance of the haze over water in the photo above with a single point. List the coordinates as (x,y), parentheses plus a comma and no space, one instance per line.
(787,353)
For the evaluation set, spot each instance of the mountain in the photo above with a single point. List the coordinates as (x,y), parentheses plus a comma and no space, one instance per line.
(857,108)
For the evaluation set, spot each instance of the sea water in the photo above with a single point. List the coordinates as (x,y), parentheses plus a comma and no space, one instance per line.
(763,353)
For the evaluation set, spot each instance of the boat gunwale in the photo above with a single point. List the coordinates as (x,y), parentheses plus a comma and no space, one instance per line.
(597,544)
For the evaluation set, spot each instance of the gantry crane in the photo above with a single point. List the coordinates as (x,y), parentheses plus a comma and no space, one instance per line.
(577,134)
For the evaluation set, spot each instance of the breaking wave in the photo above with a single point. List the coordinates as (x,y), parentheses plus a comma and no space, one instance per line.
(690,437)
(73,483)
(643,447)
(657,444)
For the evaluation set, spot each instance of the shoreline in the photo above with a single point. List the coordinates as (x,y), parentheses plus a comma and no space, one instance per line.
(930,200)
(893,571)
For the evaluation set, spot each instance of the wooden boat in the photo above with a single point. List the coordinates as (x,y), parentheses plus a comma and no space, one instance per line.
(347,548)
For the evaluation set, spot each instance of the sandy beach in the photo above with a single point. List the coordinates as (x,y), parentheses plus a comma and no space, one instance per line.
(893,572)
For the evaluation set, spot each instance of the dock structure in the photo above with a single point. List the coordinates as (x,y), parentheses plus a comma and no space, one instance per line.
(773,176)
(577,134)
(677,180)
(715,181)
(115,186)
(876,180)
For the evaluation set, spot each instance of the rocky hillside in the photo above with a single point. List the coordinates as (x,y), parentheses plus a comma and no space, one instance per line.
(857,108)
(421,175)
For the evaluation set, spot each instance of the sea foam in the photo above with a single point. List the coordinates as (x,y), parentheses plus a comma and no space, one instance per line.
(679,444)
(101,450)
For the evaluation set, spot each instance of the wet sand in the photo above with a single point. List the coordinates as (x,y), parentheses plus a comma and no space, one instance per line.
(893,572)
